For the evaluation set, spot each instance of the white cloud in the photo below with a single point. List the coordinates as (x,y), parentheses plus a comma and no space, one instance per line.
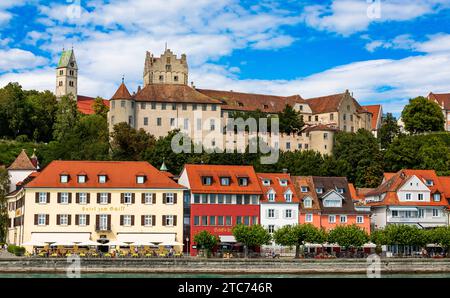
(16,59)
(404,42)
(436,43)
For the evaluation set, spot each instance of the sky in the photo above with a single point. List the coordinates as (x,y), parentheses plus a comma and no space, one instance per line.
(384,52)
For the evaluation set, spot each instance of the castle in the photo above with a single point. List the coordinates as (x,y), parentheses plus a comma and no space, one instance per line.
(167,102)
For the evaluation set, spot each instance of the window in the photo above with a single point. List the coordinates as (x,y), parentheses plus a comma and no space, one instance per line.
(42,219)
(271,196)
(81,178)
(184,106)
(408,197)
(127,220)
(71,83)
(325,136)
(340,190)
(204,107)
(394,213)
(212,198)
(158,121)
(271,228)
(271,213)
(127,198)
(194,107)
(60,83)
(359,219)
(308,217)
(307,203)
(288,197)
(343,218)
(213,107)
(148,198)
(112,117)
(283,182)
(145,121)
(421,213)
(420,197)
(254,199)
(225,181)
(122,103)
(332,203)
(64,198)
(63,219)
(220,220)
(186,124)
(288,146)
(255,220)
(310,118)
(288,213)
(228,220)
(102,179)
(170,198)
(243,181)
(304,189)
(163,106)
(238,220)
(140,179)
(212,125)
(331,218)
(204,220)
(228,199)
(331,117)
(130,120)
(103,222)
(196,220)
(437,197)
(71,72)
(42,198)
(175,78)
(170,220)
(344,117)
(435,212)
(212,220)
(319,190)
(142,105)
(161,78)
(64,178)
(266,182)
(82,198)
(153,105)
(113,104)
(148,222)
(207,180)
(61,72)
(316,118)
(82,220)
(219,199)
(351,117)
(103,199)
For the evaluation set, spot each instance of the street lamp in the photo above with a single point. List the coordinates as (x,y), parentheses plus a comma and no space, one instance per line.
(187,249)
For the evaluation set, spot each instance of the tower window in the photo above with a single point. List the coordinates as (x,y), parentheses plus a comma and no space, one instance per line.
(71,72)
(175,78)
(61,72)
(71,83)
(168,67)
(60,83)
(161,78)
(158,121)
(122,103)
(130,120)
(145,121)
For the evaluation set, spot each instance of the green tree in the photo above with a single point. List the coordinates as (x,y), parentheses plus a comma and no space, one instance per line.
(405,235)
(206,242)
(299,235)
(99,107)
(41,112)
(291,121)
(67,117)
(388,131)
(422,115)
(4,187)
(12,110)
(128,143)
(441,236)
(350,236)
(251,236)
(379,238)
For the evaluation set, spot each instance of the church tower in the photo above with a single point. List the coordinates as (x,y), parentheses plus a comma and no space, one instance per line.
(67,75)
(167,69)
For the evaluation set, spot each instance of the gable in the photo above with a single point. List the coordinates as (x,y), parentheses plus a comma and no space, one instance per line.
(414,184)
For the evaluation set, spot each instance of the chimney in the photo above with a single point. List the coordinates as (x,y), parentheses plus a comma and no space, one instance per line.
(285,171)
(139,88)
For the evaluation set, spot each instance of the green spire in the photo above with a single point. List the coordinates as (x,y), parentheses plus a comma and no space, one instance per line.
(163,167)
(66,56)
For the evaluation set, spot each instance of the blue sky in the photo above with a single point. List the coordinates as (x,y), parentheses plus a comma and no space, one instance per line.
(383,51)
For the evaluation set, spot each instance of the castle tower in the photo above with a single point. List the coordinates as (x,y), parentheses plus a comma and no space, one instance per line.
(67,75)
(122,108)
(167,69)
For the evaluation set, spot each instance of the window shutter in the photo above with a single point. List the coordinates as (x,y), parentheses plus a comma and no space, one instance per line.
(35,219)
(59,198)
(122,198)
(48,198)
(132,220)
(142,220)
(87,219)
(109,198)
(97,222)
(47,219)
(70,198)
(175,198)
(143,198)
(164,198)
(98,198)
(69,219)
(109,222)
(37,197)
(163,220)
(77,198)
(77,219)
(154,198)
(153,220)
(132,198)
(121,220)
(88,198)
(58,219)
(174,220)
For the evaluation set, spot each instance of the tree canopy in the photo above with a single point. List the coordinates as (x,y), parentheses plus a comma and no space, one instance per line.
(206,241)
(299,235)
(422,115)
(251,236)
(350,236)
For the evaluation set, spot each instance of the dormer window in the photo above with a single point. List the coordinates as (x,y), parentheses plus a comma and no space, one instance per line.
(225,181)
(81,178)
(288,196)
(283,182)
(207,180)
(304,189)
(64,178)
(243,181)
(437,197)
(101,178)
(319,190)
(307,203)
(340,190)
(140,179)
(266,182)
(429,182)
(271,196)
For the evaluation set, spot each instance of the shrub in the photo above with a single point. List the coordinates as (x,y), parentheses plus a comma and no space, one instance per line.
(22,138)
(16,250)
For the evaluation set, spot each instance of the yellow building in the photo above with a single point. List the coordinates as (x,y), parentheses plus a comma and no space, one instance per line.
(75,202)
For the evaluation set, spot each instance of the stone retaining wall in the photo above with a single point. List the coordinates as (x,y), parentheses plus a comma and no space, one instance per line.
(197,265)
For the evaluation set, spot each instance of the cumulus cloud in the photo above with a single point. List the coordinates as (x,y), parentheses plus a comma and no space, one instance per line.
(16,59)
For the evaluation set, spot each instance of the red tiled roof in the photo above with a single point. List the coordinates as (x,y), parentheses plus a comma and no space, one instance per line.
(307,181)
(275,185)
(376,111)
(172,93)
(396,181)
(251,102)
(122,93)
(120,174)
(358,194)
(442,98)
(445,182)
(22,162)
(85,103)
(388,176)
(325,104)
(320,127)
(196,172)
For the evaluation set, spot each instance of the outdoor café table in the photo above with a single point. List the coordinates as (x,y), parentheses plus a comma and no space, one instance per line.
(54,255)
(94,254)
(148,255)
(82,255)
(41,254)
(135,255)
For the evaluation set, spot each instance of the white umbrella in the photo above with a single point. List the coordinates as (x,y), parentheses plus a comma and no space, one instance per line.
(370,245)
(171,243)
(34,243)
(88,243)
(141,243)
(117,243)
(62,243)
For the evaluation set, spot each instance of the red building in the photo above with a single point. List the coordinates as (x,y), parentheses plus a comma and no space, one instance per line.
(220,198)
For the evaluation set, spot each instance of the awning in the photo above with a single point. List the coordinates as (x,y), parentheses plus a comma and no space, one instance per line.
(227,239)
(88,243)
(63,243)
(34,243)
(117,243)
(145,238)
(60,237)
(171,243)
(403,208)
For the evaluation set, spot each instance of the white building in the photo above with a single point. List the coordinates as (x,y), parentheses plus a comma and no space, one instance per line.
(21,168)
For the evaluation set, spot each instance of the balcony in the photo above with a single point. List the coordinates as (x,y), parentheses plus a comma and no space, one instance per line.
(102,228)
(419,220)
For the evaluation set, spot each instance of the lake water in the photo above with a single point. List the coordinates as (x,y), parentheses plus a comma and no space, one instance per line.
(159,275)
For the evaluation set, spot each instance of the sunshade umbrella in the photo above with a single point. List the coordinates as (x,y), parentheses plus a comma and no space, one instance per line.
(34,243)
(63,243)
(88,243)
(117,243)
(171,243)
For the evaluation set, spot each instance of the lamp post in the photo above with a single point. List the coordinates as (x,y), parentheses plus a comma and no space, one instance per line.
(188,248)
